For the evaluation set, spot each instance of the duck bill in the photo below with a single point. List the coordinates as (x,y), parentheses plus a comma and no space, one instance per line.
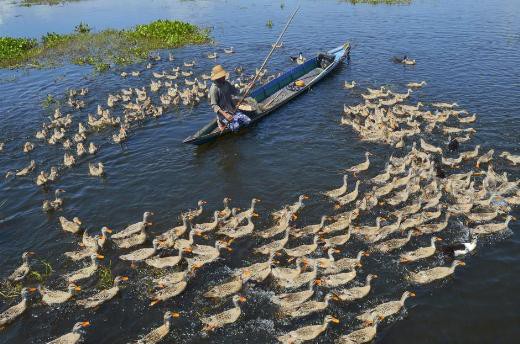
(176,315)
(77,288)
(124,278)
(108,230)
(100,256)
(85,323)
(242,299)
(335,320)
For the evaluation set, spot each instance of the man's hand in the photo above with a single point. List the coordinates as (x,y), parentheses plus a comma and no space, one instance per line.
(227,115)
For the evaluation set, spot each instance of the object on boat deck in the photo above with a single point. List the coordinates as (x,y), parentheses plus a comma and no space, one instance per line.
(277,92)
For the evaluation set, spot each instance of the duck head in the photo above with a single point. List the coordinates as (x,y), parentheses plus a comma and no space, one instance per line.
(79,327)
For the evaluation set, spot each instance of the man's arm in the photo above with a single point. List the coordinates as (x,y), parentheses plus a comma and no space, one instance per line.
(213,100)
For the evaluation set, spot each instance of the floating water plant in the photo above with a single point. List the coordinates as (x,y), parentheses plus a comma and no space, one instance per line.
(269,23)
(99,49)
(106,279)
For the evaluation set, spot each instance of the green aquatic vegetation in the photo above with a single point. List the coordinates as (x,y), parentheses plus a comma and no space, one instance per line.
(29,3)
(10,290)
(106,279)
(99,49)
(269,23)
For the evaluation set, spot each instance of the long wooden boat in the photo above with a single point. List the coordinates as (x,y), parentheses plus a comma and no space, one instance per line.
(279,91)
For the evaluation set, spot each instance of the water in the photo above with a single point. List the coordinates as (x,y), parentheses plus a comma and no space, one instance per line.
(468,52)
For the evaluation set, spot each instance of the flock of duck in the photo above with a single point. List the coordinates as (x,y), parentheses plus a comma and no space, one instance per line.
(417,195)
(123,110)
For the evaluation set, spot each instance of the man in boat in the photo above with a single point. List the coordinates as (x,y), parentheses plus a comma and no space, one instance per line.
(222,103)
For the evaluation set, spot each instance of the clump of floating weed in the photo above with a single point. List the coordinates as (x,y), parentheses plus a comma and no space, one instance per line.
(100,49)
(106,279)
(9,290)
(269,23)
(40,271)
(29,3)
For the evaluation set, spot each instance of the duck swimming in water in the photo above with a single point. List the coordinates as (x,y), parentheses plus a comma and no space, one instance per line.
(134,228)
(229,316)
(10,315)
(298,59)
(54,297)
(158,334)
(307,333)
(73,226)
(23,270)
(85,272)
(103,296)
(74,337)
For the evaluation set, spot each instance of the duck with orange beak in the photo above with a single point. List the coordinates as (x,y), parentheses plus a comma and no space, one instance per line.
(10,315)
(76,336)
(158,334)
(104,295)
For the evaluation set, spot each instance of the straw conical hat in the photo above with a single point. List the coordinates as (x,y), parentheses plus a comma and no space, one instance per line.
(218,72)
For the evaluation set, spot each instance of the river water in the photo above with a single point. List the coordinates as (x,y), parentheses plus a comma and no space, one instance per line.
(467,51)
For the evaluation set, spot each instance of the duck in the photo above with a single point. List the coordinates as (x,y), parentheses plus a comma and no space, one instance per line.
(350,85)
(258,271)
(192,214)
(461,248)
(355,293)
(349,197)
(96,170)
(482,217)
(386,309)
(288,300)
(303,250)
(181,244)
(167,239)
(393,244)
(80,149)
(491,228)
(282,273)
(23,270)
(166,262)
(300,279)
(343,264)
(343,221)
(369,229)
(337,240)
(89,241)
(28,146)
(169,291)
(485,158)
(209,257)
(362,166)
(133,240)
(171,278)
(55,204)
(445,105)
(10,314)
(229,50)
(209,226)
(228,288)
(26,170)
(468,119)
(68,160)
(73,226)
(421,252)
(135,227)
(242,231)
(103,296)
(307,333)
(204,250)
(430,148)
(225,213)
(336,280)
(189,64)
(229,316)
(274,246)
(54,297)
(158,334)
(433,274)
(513,159)
(291,209)
(74,337)
(308,307)
(365,334)
(416,84)
(335,193)
(84,252)
(383,177)
(251,211)
(85,272)
(92,149)
(141,254)
(298,59)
